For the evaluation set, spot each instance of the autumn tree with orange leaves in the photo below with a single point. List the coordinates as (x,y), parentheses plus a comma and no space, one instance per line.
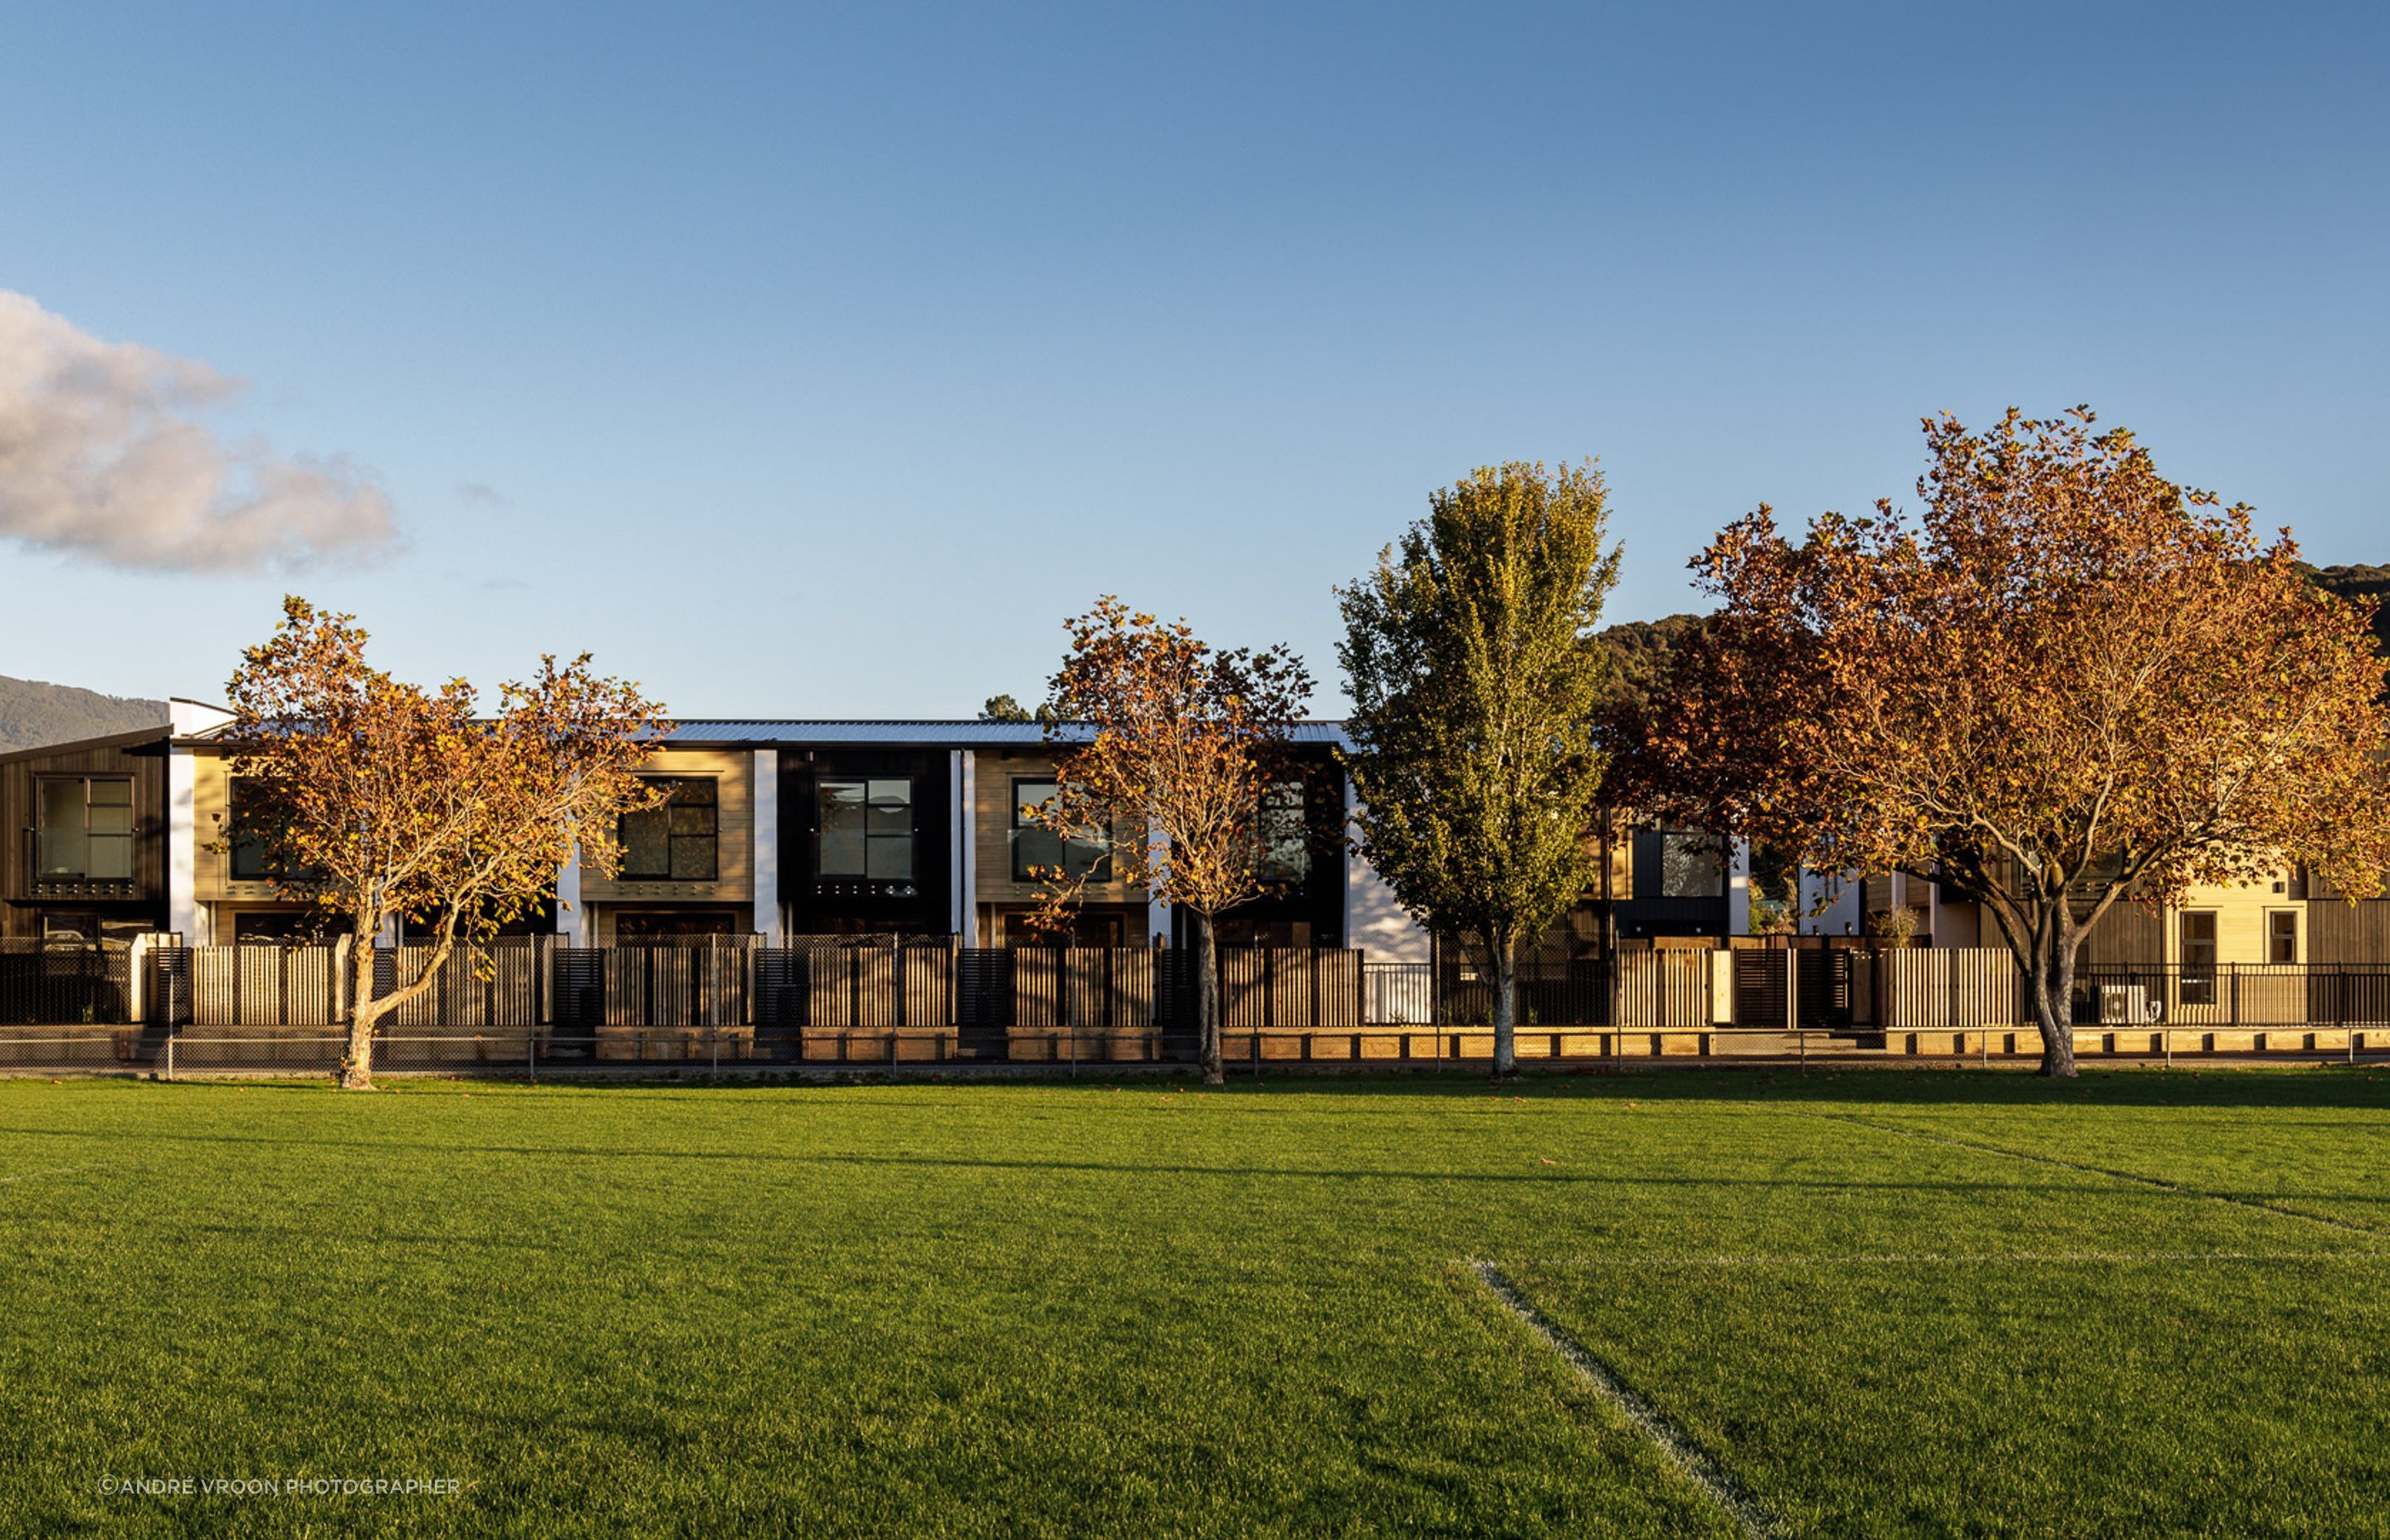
(2068,683)
(381,801)
(1179,743)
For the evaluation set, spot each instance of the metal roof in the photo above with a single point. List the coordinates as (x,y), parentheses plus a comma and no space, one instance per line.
(800,733)
(807,733)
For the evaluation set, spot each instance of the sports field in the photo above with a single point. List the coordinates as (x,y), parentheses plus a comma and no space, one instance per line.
(1871,1303)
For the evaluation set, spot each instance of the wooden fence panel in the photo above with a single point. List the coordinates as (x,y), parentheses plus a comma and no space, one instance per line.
(1244,1000)
(1132,988)
(928,986)
(1336,988)
(1934,988)
(1036,988)
(1662,987)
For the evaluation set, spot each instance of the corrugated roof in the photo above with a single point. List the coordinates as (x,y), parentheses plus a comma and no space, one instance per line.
(800,733)
(804,733)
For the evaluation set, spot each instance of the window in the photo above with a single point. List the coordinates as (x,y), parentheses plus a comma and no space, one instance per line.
(254,855)
(70,929)
(1285,834)
(864,828)
(681,928)
(676,841)
(1039,851)
(1690,867)
(82,830)
(2281,935)
(2199,957)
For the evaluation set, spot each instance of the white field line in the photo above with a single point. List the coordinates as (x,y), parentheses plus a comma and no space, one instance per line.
(1932,1259)
(53,1171)
(1752,1519)
(2159,1183)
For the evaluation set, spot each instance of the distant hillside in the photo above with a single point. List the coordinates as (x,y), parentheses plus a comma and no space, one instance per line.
(2369,585)
(32,713)
(1640,653)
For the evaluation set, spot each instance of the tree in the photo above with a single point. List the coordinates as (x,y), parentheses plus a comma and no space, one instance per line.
(1184,741)
(1470,658)
(2365,586)
(2069,682)
(383,801)
(1003,708)
(1638,656)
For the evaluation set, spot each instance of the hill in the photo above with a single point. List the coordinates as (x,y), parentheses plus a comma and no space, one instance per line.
(32,713)
(2366,585)
(1640,653)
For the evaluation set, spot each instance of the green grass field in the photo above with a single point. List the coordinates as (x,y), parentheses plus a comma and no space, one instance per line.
(1883,1304)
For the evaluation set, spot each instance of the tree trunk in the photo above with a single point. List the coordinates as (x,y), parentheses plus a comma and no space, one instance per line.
(356,1065)
(1506,1009)
(2054,1001)
(1207,1000)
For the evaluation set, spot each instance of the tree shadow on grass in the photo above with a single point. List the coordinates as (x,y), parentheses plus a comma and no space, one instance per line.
(1730,1086)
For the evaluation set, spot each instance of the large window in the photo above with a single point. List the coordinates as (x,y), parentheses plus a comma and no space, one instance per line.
(82,830)
(2199,957)
(1038,852)
(864,828)
(259,854)
(1285,834)
(678,841)
(2281,935)
(1690,867)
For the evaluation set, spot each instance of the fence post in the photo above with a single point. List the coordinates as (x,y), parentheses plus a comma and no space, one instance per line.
(713,1069)
(530,1053)
(169,1054)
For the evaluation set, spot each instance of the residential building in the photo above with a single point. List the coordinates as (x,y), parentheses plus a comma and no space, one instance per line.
(83,839)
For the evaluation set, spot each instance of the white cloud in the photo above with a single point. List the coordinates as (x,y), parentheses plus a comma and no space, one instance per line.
(103,455)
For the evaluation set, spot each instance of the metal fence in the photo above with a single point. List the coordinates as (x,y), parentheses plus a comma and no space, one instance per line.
(537,1003)
(44,984)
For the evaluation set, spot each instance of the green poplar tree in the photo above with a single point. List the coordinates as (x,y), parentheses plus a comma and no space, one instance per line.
(1468,657)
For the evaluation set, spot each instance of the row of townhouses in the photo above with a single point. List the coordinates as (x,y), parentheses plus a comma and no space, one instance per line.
(805,829)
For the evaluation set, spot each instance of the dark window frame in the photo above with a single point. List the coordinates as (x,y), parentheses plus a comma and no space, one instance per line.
(1065,854)
(2198,975)
(1696,847)
(691,830)
(86,836)
(876,844)
(2276,949)
(251,855)
(1284,852)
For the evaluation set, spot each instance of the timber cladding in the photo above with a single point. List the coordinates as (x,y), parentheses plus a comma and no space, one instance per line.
(139,758)
(734,883)
(994,808)
(733,773)
(2342,931)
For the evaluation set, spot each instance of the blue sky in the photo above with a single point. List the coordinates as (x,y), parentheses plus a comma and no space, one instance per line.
(820,361)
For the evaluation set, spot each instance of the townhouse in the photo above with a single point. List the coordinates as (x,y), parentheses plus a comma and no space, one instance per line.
(791,830)
(84,839)
(2283,916)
